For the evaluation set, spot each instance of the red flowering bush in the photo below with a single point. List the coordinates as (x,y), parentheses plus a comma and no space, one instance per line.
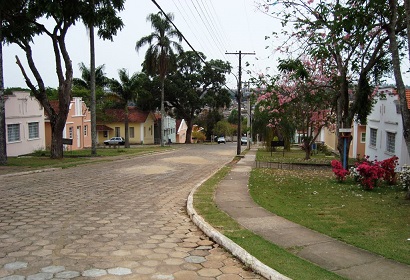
(339,171)
(370,172)
(389,166)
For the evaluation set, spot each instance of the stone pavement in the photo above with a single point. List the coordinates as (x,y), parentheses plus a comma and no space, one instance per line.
(124,219)
(233,197)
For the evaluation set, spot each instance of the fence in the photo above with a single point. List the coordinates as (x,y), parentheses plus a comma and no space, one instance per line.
(289,166)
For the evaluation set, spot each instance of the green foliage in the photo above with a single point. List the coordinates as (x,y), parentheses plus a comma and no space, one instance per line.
(233,117)
(101,81)
(192,87)
(199,136)
(223,127)
(161,52)
(126,88)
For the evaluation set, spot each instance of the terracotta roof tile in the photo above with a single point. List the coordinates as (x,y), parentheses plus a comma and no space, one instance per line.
(407,96)
(103,127)
(134,115)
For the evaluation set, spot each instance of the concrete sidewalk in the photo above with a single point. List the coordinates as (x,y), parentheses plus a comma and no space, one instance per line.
(232,196)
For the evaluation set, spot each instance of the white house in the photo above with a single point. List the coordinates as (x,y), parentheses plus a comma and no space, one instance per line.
(24,124)
(384,132)
(170,131)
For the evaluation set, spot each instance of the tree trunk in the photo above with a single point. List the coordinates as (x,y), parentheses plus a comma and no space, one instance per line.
(57,126)
(126,126)
(401,89)
(92,88)
(188,132)
(162,111)
(342,115)
(3,143)
(307,147)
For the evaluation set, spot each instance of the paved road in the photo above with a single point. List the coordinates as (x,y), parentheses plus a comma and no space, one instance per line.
(119,220)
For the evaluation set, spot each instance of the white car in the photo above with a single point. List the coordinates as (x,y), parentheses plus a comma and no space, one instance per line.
(115,141)
(221,140)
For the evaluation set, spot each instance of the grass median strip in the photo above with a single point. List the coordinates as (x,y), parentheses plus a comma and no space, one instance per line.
(268,253)
(41,159)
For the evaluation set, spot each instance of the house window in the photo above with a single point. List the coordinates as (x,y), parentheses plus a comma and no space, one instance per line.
(105,133)
(132,132)
(33,132)
(363,137)
(373,137)
(117,132)
(85,130)
(70,132)
(13,132)
(391,142)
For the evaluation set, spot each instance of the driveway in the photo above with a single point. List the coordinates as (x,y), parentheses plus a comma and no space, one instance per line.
(118,220)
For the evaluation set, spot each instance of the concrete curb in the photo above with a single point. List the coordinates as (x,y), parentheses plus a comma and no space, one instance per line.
(236,250)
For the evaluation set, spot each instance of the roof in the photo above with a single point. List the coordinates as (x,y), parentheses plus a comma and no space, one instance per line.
(103,127)
(394,91)
(178,124)
(134,115)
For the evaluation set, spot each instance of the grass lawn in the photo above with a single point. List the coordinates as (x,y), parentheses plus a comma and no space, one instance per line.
(376,220)
(268,253)
(295,155)
(41,159)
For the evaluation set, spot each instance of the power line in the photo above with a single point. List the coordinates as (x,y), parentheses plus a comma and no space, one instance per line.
(189,25)
(176,28)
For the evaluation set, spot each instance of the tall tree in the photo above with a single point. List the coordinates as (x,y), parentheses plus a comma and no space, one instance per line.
(101,80)
(301,98)
(103,14)
(3,142)
(126,90)
(160,56)
(21,26)
(391,27)
(192,86)
(350,40)
(82,86)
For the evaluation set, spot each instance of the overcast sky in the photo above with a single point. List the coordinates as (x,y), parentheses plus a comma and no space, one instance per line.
(211,26)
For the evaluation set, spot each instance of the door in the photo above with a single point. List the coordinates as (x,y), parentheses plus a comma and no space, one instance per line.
(78,136)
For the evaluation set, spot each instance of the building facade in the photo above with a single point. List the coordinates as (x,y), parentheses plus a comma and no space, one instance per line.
(384,132)
(24,124)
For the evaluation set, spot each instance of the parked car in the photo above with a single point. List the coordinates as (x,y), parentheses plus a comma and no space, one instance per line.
(221,140)
(115,141)
(244,140)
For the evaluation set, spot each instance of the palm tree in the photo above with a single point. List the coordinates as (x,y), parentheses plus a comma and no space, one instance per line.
(97,12)
(125,90)
(101,80)
(160,54)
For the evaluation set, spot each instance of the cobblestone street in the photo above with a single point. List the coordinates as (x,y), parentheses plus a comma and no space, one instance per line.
(124,219)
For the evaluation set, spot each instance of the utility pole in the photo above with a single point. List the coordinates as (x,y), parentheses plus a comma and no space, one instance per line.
(238,146)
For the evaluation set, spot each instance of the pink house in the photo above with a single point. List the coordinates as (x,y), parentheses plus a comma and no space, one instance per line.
(78,125)
(24,124)
(182,128)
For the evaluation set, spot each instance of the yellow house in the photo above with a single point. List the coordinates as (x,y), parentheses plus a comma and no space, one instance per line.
(140,125)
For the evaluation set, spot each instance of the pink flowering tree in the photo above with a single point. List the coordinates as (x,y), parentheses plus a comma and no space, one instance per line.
(300,98)
(347,37)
